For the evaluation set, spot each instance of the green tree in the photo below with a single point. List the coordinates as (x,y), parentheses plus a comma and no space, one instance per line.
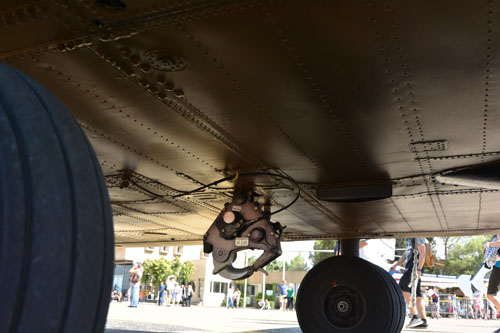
(316,257)
(175,267)
(273,266)
(187,268)
(298,263)
(155,271)
(466,256)
(449,244)
(158,270)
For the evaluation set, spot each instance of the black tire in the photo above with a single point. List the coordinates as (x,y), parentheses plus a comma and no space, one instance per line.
(349,294)
(56,232)
(399,304)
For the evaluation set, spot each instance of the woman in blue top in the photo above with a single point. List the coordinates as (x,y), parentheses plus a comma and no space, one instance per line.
(161,293)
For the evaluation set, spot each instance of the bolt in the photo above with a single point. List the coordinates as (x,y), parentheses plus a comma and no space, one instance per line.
(134,60)
(125,54)
(145,67)
(160,79)
(272,233)
(223,230)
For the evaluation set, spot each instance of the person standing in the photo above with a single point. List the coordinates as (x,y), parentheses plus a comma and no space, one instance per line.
(494,280)
(229,299)
(289,297)
(161,293)
(478,306)
(454,305)
(236,297)
(189,294)
(177,293)
(405,281)
(170,286)
(282,292)
(184,295)
(135,283)
(435,303)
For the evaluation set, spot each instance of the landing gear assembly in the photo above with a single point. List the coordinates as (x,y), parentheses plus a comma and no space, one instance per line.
(242,225)
(348,294)
(341,294)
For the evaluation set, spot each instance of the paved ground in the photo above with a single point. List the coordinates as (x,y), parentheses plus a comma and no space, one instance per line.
(152,318)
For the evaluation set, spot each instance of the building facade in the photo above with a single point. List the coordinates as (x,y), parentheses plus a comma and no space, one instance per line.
(209,289)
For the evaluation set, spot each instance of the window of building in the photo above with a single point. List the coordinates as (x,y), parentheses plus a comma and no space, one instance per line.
(218,287)
(120,277)
(251,290)
(178,250)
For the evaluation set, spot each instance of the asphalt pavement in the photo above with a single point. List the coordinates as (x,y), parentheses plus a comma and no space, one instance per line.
(152,318)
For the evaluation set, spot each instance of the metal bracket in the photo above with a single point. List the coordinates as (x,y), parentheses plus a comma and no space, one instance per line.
(242,225)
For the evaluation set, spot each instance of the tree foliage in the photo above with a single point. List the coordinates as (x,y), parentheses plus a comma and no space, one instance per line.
(187,269)
(155,271)
(449,244)
(175,267)
(273,266)
(466,256)
(298,263)
(158,270)
(316,257)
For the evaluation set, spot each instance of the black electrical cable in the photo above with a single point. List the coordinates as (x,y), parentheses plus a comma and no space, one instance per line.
(146,190)
(249,174)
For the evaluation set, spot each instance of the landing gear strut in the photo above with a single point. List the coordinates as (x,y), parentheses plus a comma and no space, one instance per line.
(348,294)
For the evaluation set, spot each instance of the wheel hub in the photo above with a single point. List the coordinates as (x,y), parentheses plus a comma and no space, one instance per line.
(343,307)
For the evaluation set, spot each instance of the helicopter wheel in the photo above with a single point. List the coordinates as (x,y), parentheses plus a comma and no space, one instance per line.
(349,294)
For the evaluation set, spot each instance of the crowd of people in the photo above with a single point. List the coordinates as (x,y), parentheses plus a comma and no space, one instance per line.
(170,292)
(173,293)
(233,298)
(450,306)
(286,294)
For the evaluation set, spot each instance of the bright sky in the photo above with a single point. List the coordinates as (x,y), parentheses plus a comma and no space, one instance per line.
(290,249)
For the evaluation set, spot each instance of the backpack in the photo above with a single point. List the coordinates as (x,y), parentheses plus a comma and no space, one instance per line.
(134,278)
(430,258)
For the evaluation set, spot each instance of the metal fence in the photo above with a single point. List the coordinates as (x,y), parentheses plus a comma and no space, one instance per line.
(463,307)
